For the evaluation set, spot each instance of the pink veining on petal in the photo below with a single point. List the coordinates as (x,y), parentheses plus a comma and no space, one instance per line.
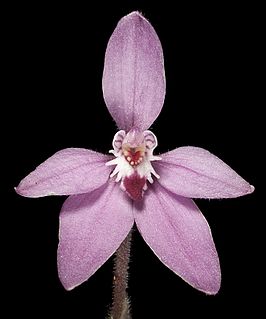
(92,226)
(133,77)
(194,172)
(67,172)
(179,235)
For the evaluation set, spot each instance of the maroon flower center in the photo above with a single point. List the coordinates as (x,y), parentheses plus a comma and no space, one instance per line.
(134,186)
(133,155)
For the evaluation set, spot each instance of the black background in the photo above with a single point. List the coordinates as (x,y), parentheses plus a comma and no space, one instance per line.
(54,62)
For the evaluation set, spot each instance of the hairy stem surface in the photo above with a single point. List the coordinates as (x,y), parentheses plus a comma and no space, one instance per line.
(120,307)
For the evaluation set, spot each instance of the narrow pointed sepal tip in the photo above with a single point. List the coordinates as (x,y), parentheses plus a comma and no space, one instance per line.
(22,192)
(210,286)
(214,290)
(66,285)
(246,190)
(16,190)
(25,189)
(135,13)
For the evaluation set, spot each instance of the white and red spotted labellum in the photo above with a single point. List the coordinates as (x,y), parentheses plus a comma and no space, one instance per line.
(134,154)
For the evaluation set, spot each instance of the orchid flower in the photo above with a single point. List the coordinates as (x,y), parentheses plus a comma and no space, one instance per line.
(109,193)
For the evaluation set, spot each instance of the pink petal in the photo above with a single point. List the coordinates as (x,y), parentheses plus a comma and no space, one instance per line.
(67,172)
(92,226)
(133,77)
(195,172)
(180,237)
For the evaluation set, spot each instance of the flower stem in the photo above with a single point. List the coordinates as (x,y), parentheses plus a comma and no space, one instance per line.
(120,307)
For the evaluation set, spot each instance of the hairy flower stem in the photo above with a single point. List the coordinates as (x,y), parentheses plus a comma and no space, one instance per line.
(120,306)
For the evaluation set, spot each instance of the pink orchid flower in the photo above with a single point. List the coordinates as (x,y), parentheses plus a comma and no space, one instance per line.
(109,193)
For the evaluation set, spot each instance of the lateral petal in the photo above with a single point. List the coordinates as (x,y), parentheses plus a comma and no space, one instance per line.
(180,237)
(196,173)
(67,172)
(92,226)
